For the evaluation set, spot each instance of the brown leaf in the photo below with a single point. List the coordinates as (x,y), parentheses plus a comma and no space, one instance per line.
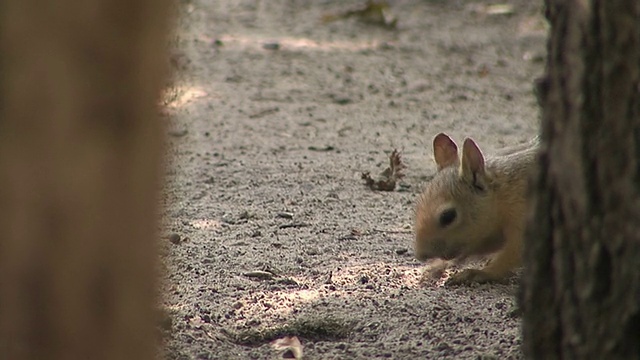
(389,177)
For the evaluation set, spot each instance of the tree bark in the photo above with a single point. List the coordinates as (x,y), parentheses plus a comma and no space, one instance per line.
(80,164)
(582,280)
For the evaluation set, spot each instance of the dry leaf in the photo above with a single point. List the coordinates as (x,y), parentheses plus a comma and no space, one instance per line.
(372,12)
(389,177)
(499,9)
(290,345)
(483,71)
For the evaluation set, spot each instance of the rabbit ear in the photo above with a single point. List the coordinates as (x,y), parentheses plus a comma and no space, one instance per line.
(445,151)
(472,168)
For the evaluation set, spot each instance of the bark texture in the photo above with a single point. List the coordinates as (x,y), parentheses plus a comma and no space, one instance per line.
(80,159)
(582,280)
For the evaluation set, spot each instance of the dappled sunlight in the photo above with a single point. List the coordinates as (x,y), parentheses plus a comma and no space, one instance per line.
(304,295)
(295,43)
(394,276)
(348,282)
(205,224)
(378,279)
(277,303)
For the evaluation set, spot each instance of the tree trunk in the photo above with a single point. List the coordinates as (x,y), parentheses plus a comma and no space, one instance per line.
(582,279)
(80,164)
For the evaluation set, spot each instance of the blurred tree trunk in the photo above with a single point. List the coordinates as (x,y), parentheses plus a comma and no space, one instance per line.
(582,255)
(80,164)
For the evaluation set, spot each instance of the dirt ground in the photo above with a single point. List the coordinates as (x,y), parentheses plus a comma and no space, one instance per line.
(272,120)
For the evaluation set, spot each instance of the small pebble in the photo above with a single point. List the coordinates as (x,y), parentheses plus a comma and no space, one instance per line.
(402,251)
(285,215)
(321,148)
(271,46)
(228,219)
(175,238)
(342,100)
(178,133)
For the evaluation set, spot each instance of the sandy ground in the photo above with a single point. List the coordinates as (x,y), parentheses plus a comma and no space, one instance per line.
(272,120)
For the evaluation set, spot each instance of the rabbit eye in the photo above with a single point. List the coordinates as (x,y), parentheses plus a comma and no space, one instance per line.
(447,217)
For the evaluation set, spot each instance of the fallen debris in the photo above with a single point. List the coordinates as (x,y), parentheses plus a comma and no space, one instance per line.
(321,148)
(284,215)
(290,345)
(271,46)
(493,10)
(265,112)
(178,133)
(259,274)
(175,238)
(499,9)
(389,177)
(293,225)
(371,12)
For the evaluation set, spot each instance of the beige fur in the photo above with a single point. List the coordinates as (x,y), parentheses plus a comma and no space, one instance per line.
(485,202)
